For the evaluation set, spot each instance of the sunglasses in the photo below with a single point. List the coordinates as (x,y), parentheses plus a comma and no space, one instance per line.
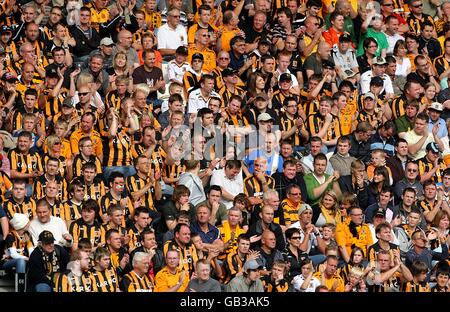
(418,5)
(83,93)
(295,237)
(412,170)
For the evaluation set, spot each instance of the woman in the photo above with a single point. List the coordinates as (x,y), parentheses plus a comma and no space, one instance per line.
(403,62)
(306,282)
(56,147)
(119,68)
(329,210)
(256,85)
(370,47)
(356,260)
(192,181)
(439,227)
(292,254)
(412,45)
(430,97)
(380,180)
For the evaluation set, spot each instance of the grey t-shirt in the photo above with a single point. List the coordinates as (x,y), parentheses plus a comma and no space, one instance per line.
(211,285)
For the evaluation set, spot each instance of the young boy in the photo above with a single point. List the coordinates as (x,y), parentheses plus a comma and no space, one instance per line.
(178,66)
(442,278)
(419,283)
(276,280)
(378,160)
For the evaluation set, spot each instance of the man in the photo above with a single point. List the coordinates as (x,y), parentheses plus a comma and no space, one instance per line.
(384,204)
(344,58)
(324,124)
(209,233)
(383,138)
(44,221)
(249,281)
(432,202)
(45,261)
(417,19)
(266,223)
(172,278)
(412,91)
(284,62)
(77,278)
(124,41)
(383,232)
(200,97)
(141,221)
(230,231)
(171,35)
(86,154)
(342,160)
(419,137)
(104,278)
(397,163)
(407,205)
(51,175)
(424,72)
(230,85)
(230,180)
(315,147)
(87,226)
(182,244)
(86,37)
(392,28)
(428,42)
(87,130)
(149,74)
(94,187)
(258,182)
(328,276)
(203,281)
(289,207)
(72,206)
(359,236)
(405,123)
(202,41)
(336,30)
(410,180)
(118,254)
(19,202)
(268,254)
(441,63)
(314,62)
(137,280)
(435,111)
(238,58)
(205,22)
(318,181)
(218,209)
(398,81)
(378,70)
(150,246)
(255,31)
(106,50)
(421,252)
(431,167)
(289,176)
(359,145)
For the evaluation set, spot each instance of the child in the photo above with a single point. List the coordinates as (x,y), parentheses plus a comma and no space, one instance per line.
(419,283)
(355,281)
(442,278)
(276,280)
(329,233)
(378,160)
(29,124)
(178,66)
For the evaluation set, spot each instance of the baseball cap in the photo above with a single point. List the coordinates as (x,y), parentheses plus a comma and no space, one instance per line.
(303,208)
(349,73)
(345,38)
(197,55)
(432,146)
(19,221)
(229,72)
(182,50)
(264,117)
(380,212)
(327,64)
(51,72)
(68,101)
(252,265)
(106,41)
(285,77)
(369,95)
(5,28)
(436,106)
(9,77)
(46,237)
(265,40)
(378,60)
(377,81)
(261,96)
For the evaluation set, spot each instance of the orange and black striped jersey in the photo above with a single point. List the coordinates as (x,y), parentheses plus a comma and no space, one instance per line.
(17,118)
(437,288)
(58,209)
(108,199)
(416,287)
(229,236)
(237,120)
(94,232)
(218,82)
(392,283)
(94,190)
(278,98)
(365,116)
(226,94)
(426,166)
(152,19)
(40,183)
(270,285)
(157,158)
(116,257)
(346,115)
(398,106)
(72,211)
(425,205)
(114,101)
(25,163)
(312,105)
(187,254)
(289,213)
(441,64)
(315,123)
(344,272)
(416,24)
(70,282)
(254,188)
(191,81)
(66,153)
(79,161)
(173,171)
(375,249)
(136,183)
(347,238)
(53,105)
(135,238)
(378,103)
(5,184)
(28,207)
(95,137)
(233,264)
(286,124)
(104,281)
(118,152)
(132,282)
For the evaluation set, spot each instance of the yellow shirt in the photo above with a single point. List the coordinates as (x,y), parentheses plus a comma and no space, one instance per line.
(165,280)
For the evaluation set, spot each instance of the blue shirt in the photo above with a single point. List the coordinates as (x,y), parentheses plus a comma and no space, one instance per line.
(209,237)
(442,132)
(249,161)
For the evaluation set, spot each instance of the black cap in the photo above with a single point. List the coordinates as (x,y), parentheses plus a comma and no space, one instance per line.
(345,38)
(51,72)
(197,55)
(5,28)
(265,40)
(285,77)
(229,72)
(327,63)
(432,146)
(377,81)
(46,237)
(380,212)
(182,50)
(9,77)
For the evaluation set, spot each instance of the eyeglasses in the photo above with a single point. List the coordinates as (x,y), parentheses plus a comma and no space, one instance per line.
(205,35)
(412,170)
(418,5)
(224,58)
(295,237)
(83,93)
(175,16)
(388,4)
(296,194)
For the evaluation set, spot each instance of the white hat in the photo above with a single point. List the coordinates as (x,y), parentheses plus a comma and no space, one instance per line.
(436,106)
(106,41)
(19,221)
(303,208)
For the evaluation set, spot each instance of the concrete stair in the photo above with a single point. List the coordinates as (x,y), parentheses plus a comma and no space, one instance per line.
(7,283)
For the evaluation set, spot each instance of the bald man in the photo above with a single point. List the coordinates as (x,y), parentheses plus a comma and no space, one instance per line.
(124,41)
(256,230)
(313,63)
(268,254)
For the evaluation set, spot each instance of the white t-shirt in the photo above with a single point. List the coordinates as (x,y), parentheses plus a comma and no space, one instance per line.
(298,282)
(169,38)
(365,82)
(196,101)
(233,187)
(412,138)
(391,42)
(56,226)
(402,69)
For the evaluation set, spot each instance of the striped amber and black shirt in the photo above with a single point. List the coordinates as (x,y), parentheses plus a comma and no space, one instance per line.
(232,265)
(173,171)
(278,98)
(72,211)
(114,101)
(136,183)
(94,232)
(270,285)
(53,105)
(254,188)
(398,106)
(187,254)
(79,161)
(58,209)
(416,287)
(104,281)
(95,190)
(226,94)
(441,64)
(426,166)
(191,81)
(108,199)
(69,282)
(135,238)
(394,282)
(315,122)
(132,282)
(416,24)
(286,124)
(25,163)
(28,207)
(118,152)
(289,213)
(41,183)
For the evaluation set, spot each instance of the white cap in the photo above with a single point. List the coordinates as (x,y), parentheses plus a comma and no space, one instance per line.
(19,221)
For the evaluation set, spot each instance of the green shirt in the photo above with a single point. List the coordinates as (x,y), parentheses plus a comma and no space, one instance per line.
(311,183)
(379,37)
(403,124)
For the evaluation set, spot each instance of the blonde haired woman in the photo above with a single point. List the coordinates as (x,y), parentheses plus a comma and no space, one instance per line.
(329,209)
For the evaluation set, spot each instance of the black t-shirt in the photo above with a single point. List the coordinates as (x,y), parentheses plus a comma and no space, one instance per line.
(140,75)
